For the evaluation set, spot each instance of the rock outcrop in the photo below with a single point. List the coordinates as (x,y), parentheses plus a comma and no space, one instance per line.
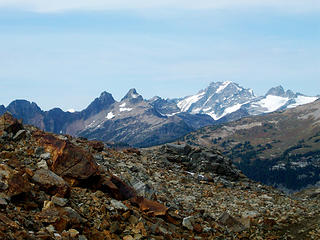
(201,160)
(60,187)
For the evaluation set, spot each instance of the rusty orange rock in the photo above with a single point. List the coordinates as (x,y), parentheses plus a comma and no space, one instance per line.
(60,217)
(68,160)
(13,182)
(149,206)
(18,184)
(9,124)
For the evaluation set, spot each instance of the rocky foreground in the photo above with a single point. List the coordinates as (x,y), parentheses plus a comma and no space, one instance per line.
(59,187)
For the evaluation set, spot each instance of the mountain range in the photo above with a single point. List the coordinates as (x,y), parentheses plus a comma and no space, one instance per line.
(226,100)
(280,148)
(142,123)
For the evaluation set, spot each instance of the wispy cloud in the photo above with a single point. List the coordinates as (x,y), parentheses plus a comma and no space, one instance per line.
(100,5)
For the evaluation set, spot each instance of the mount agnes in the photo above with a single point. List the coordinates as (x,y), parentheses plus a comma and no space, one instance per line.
(142,123)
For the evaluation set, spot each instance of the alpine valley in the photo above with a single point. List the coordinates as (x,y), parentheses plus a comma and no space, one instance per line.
(280,148)
(138,122)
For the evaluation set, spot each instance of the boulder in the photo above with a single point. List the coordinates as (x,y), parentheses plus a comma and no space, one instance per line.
(13,182)
(231,223)
(200,160)
(9,124)
(188,222)
(68,160)
(149,206)
(141,188)
(116,188)
(18,183)
(58,201)
(62,218)
(51,182)
(172,148)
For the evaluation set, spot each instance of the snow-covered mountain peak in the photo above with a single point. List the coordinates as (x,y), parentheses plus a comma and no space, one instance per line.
(223,86)
(217,100)
(222,99)
(278,99)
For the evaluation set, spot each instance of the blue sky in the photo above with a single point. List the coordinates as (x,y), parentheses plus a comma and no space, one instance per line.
(65,55)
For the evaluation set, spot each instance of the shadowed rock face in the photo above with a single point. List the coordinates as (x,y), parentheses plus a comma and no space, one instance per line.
(102,103)
(24,109)
(29,112)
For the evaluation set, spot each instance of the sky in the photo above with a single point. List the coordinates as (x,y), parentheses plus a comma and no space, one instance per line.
(65,53)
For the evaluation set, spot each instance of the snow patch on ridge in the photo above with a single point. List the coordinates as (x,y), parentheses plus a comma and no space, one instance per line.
(223,86)
(300,100)
(207,109)
(185,104)
(110,115)
(225,112)
(125,109)
(213,115)
(232,109)
(171,114)
(123,105)
(196,110)
(272,103)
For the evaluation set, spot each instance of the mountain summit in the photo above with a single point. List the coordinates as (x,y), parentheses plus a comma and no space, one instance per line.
(276,91)
(225,101)
(132,96)
(101,103)
(217,100)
